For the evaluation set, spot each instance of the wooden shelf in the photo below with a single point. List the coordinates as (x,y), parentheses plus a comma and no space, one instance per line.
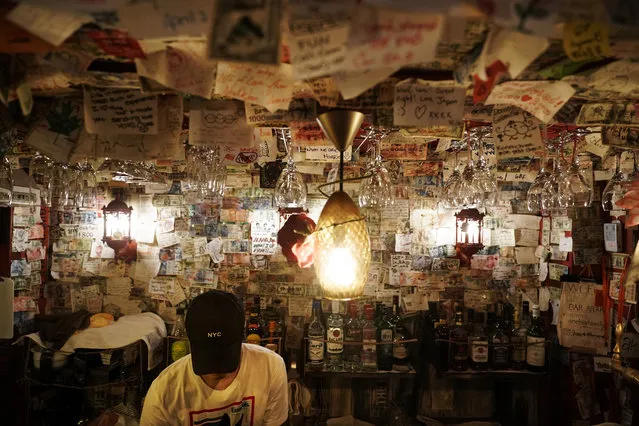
(493,374)
(363,374)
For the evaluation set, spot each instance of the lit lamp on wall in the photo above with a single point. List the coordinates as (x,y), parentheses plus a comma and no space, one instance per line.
(117,223)
(342,247)
(468,232)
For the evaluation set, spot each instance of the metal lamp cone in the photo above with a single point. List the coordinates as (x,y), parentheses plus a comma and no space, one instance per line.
(341,126)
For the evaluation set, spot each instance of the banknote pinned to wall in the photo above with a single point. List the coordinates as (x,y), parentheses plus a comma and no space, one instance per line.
(165,144)
(246,31)
(299,110)
(609,113)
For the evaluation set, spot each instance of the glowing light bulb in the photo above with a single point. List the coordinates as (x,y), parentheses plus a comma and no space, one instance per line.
(340,271)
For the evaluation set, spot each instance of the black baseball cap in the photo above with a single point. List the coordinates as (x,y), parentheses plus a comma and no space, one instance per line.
(215,328)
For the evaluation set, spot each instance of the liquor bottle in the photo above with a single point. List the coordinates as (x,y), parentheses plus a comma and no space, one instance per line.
(254,328)
(442,334)
(525,314)
(432,317)
(395,318)
(335,338)
(478,342)
(536,343)
(385,335)
(459,343)
(316,330)
(353,334)
(518,344)
(400,348)
(180,345)
(499,342)
(369,335)
(490,320)
(273,328)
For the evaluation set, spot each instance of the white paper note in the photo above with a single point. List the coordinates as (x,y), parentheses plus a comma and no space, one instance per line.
(516,133)
(422,103)
(53,26)
(526,255)
(120,111)
(353,83)
(219,123)
(166,18)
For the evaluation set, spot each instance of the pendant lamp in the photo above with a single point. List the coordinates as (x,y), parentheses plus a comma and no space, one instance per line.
(342,246)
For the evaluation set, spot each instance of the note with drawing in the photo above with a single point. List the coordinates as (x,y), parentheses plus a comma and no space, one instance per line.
(120,111)
(270,86)
(517,133)
(55,134)
(246,31)
(182,66)
(218,123)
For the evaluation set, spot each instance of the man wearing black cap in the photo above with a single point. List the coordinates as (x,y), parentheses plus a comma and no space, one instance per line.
(223,381)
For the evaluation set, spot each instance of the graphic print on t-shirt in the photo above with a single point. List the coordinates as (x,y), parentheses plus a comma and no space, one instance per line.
(237,414)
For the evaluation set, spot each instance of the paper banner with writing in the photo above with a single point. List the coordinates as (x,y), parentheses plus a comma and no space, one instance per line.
(581,320)
(586,41)
(182,66)
(541,99)
(120,111)
(517,133)
(318,32)
(382,38)
(270,86)
(218,123)
(422,103)
(166,144)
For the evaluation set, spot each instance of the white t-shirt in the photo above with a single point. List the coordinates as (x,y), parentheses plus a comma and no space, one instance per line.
(258,396)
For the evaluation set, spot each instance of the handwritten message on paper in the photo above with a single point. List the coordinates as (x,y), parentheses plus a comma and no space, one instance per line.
(586,41)
(405,151)
(218,123)
(325,91)
(617,77)
(308,134)
(318,32)
(263,245)
(182,66)
(421,103)
(541,99)
(581,320)
(299,110)
(120,111)
(517,133)
(55,133)
(327,154)
(270,86)
(166,18)
(382,38)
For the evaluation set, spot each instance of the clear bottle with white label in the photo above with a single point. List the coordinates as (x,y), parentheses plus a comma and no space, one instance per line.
(335,339)
(316,334)
(536,343)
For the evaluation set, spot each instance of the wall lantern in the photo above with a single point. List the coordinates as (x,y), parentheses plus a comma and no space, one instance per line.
(468,233)
(117,223)
(342,246)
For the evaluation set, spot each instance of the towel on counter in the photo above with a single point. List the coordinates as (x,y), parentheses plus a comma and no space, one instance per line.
(147,327)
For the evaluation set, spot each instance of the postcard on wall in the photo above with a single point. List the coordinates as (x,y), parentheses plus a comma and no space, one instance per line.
(517,133)
(218,123)
(428,103)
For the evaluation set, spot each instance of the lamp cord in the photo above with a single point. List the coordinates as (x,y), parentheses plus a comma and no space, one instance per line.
(341,171)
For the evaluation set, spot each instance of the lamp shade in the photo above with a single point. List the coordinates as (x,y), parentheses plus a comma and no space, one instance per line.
(342,249)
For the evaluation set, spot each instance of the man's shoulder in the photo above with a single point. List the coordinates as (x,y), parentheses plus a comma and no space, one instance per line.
(177,370)
(262,353)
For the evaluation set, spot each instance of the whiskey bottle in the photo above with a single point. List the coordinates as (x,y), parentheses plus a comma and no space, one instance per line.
(369,335)
(518,344)
(335,339)
(459,343)
(352,334)
(385,336)
(478,342)
(536,343)
(442,334)
(499,342)
(400,348)
(317,331)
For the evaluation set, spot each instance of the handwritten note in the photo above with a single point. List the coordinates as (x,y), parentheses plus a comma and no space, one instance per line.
(299,110)
(218,123)
(516,221)
(381,38)
(270,86)
(182,66)
(263,245)
(120,111)
(581,318)
(502,237)
(326,154)
(422,103)
(517,133)
(525,255)
(586,41)
(617,77)
(318,32)
(166,18)
(55,134)
(53,26)
(405,151)
(541,99)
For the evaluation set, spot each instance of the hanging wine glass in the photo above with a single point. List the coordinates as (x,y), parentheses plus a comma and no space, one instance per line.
(573,186)
(376,190)
(468,190)
(533,197)
(6,182)
(451,198)
(614,190)
(290,188)
(485,181)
